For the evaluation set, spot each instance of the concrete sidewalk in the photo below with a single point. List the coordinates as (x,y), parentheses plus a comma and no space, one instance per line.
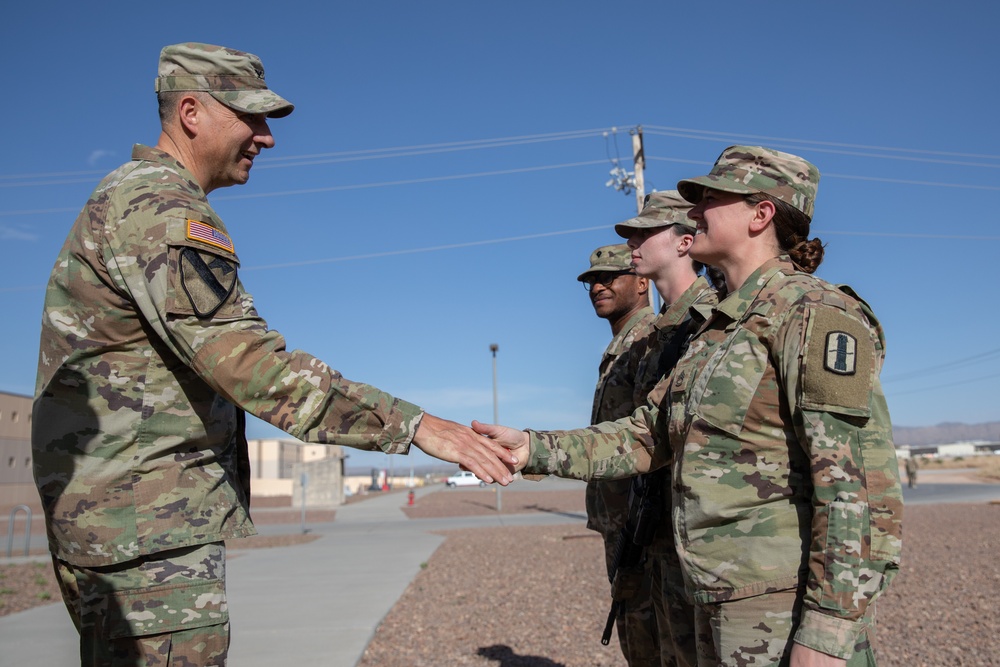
(310,604)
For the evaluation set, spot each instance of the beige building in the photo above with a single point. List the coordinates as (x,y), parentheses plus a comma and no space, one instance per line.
(276,465)
(17,485)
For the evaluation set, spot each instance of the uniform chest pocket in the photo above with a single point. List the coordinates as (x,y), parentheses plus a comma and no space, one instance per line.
(721,393)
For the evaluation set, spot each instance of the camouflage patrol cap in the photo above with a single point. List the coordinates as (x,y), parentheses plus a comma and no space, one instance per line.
(234,78)
(749,169)
(660,209)
(609,258)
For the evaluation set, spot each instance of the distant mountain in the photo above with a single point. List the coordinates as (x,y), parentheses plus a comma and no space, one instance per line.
(945,433)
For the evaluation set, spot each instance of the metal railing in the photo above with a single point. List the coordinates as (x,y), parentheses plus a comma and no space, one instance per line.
(27,530)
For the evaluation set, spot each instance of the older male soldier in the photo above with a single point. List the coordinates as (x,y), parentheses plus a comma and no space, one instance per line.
(620,297)
(660,238)
(151,353)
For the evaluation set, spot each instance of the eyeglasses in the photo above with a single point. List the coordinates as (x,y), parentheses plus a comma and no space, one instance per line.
(603,278)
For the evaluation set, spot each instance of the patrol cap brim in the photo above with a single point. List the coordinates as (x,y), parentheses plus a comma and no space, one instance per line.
(660,209)
(601,269)
(264,101)
(627,228)
(692,189)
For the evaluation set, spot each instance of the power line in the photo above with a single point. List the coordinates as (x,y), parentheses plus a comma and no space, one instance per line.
(413,251)
(411,181)
(339,188)
(665,131)
(941,368)
(453,177)
(937,387)
(343,156)
(478,144)
(874,179)
(389,253)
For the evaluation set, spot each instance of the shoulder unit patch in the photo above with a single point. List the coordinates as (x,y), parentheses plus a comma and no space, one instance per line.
(839,362)
(207,279)
(841,353)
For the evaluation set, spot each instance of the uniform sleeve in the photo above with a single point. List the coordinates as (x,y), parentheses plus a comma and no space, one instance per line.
(609,450)
(829,361)
(189,293)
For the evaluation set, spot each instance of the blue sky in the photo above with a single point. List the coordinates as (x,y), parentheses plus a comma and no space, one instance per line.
(441,182)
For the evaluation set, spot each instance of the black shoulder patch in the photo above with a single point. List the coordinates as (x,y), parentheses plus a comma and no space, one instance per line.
(207,279)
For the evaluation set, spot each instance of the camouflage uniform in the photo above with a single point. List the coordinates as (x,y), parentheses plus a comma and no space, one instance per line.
(787,503)
(608,501)
(151,350)
(773,448)
(659,352)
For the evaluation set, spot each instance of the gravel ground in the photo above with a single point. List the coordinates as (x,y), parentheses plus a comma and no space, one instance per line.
(537,596)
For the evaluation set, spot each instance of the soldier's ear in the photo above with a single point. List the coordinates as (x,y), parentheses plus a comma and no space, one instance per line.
(763,213)
(684,242)
(190,114)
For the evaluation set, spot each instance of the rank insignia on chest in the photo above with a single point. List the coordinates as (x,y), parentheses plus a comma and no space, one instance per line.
(205,233)
(841,353)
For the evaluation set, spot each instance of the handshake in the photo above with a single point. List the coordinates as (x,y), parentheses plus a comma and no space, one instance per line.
(491,452)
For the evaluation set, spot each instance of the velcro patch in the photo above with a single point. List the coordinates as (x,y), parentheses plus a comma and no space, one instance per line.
(207,279)
(206,233)
(839,363)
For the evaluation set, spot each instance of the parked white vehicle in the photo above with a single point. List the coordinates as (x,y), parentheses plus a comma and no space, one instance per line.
(464,478)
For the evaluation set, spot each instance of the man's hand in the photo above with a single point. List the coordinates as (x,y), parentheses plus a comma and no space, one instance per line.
(516,441)
(450,441)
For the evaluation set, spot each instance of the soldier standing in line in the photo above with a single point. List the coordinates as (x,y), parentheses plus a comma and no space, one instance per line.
(660,238)
(787,504)
(151,353)
(622,298)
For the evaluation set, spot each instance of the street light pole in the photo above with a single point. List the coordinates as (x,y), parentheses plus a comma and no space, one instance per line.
(496,418)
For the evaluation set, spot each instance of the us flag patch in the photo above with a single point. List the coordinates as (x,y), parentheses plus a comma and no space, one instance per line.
(199,231)
(841,353)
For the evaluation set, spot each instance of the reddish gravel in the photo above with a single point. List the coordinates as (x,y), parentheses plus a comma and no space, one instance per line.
(537,596)
(483,502)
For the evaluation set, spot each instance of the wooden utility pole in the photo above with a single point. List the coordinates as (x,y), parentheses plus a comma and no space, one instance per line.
(639,164)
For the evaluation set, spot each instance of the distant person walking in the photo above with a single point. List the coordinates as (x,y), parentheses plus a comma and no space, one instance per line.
(911,472)
(151,353)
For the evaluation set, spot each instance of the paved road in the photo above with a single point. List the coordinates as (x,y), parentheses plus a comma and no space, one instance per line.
(320,603)
(311,604)
(930,490)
